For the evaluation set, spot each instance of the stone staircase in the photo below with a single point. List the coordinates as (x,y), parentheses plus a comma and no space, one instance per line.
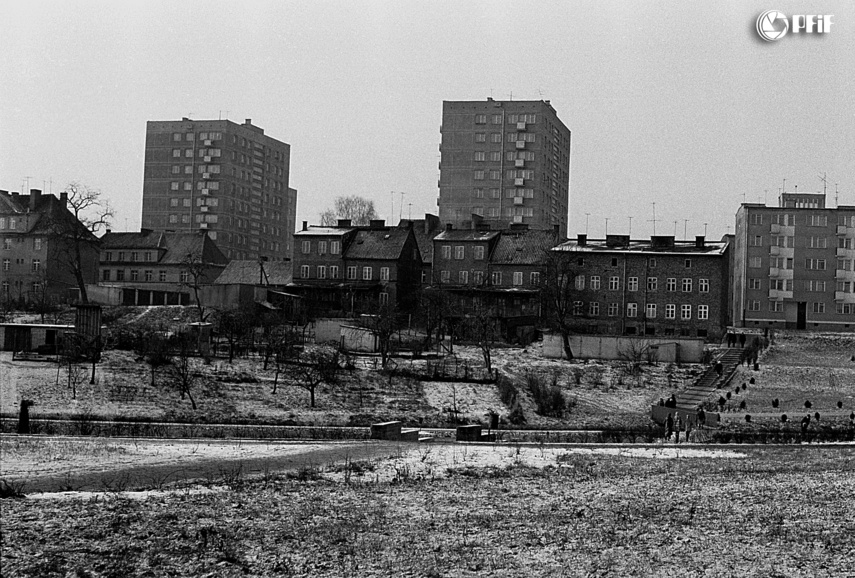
(699,392)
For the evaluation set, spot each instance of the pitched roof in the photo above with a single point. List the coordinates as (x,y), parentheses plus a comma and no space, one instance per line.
(466,235)
(385,244)
(176,245)
(315,230)
(424,233)
(523,247)
(251,272)
(39,215)
(145,239)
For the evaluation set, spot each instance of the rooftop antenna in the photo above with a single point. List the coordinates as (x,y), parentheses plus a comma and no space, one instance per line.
(765,194)
(630,228)
(511,95)
(392,212)
(607,226)
(675,229)
(654,218)
(409,211)
(824,179)
(401,208)
(685,223)
(836,193)
(586,222)
(705,230)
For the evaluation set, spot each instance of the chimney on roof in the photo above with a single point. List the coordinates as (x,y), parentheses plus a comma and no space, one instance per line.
(108,231)
(63,198)
(377,223)
(344,222)
(581,239)
(35,196)
(661,241)
(305,225)
(617,240)
(699,241)
(448,227)
(248,121)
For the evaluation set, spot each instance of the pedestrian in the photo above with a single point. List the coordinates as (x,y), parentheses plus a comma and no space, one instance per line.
(678,425)
(719,368)
(669,426)
(688,429)
(661,402)
(805,424)
(702,416)
(741,340)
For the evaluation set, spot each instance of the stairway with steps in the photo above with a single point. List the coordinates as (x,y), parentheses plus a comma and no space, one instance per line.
(709,382)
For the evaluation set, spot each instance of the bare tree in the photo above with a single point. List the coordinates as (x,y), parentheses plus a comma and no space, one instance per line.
(482,326)
(153,348)
(194,274)
(557,288)
(383,325)
(183,367)
(358,209)
(432,313)
(320,365)
(73,236)
(283,341)
(235,325)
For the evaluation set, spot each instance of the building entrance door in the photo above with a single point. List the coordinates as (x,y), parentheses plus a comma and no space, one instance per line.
(801,316)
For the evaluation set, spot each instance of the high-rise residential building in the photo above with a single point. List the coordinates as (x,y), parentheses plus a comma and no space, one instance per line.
(504,162)
(228,179)
(794,265)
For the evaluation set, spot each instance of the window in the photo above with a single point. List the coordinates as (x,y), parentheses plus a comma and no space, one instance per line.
(176,136)
(12,223)
(480,156)
(632,284)
(459,252)
(651,262)
(756,219)
(703,312)
(351,273)
(534,278)
(135,275)
(105,275)
(479,193)
(463,277)
(120,274)
(37,244)
(815,264)
(756,240)
(496,137)
(593,308)
(367,273)
(670,311)
(755,262)
(121,255)
(652,283)
(478,277)
(815,286)
(614,283)
(479,253)
(322,247)
(781,284)
(787,242)
(333,271)
(185,202)
(685,312)
(671,284)
(518,278)
(480,119)
(480,137)
(2,222)
(322,272)
(844,264)
(817,243)
(843,287)
(37,264)
(495,156)
(704,285)
(755,284)
(595,282)
(818,220)
(781,262)
(304,271)
(176,169)
(776,306)
(173,202)
(306,247)
(579,282)
(782,219)
(845,308)
(384,273)
(6,263)
(818,307)
(496,278)
(687,285)
(613,310)
(149,275)
(754,305)
(335,247)
(446,251)
(188,169)
(632,309)
(578,307)
(651,311)
(844,242)
(173,218)
(444,276)
(384,298)
(161,276)
(687,263)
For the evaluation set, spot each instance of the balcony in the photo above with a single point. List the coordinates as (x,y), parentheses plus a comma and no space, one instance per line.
(518,200)
(206,175)
(519,182)
(844,297)
(520,126)
(207,159)
(208,143)
(773,250)
(206,191)
(519,163)
(846,253)
(844,230)
(779,273)
(520,144)
(842,275)
(780,295)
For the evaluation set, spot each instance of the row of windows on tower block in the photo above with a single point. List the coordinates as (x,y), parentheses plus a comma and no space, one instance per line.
(789,220)
(651,262)
(775,306)
(527,118)
(463,277)
(352,272)
(809,263)
(651,310)
(686,284)
(35,265)
(789,242)
(520,138)
(147,275)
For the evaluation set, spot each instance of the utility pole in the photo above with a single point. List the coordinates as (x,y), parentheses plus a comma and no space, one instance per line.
(654,218)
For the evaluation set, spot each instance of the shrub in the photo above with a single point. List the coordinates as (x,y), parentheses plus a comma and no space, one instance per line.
(808,404)
(839,405)
(748,417)
(783,418)
(775,402)
(742,404)
(549,398)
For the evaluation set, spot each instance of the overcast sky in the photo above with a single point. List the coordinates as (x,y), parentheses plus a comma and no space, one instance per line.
(677,104)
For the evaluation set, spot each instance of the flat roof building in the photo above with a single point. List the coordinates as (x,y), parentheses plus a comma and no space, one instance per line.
(504,162)
(228,179)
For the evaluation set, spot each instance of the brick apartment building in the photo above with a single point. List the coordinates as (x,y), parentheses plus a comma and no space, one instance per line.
(794,265)
(35,256)
(657,287)
(504,162)
(225,178)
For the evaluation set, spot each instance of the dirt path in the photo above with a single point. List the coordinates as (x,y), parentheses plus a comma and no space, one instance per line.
(213,470)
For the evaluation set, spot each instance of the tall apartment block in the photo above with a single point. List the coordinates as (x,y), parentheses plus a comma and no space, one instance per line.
(227,178)
(794,265)
(504,162)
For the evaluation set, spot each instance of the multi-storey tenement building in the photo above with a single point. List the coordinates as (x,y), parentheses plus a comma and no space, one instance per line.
(225,178)
(794,265)
(346,269)
(504,162)
(36,257)
(654,287)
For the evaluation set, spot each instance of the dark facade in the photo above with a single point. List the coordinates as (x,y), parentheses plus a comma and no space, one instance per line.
(657,287)
(228,179)
(35,256)
(504,162)
(794,265)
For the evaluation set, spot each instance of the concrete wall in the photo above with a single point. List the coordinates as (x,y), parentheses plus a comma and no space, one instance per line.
(104,295)
(610,347)
(328,330)
(358,339)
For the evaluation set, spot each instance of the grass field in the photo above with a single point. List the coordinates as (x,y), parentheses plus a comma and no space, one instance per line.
(758,512)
